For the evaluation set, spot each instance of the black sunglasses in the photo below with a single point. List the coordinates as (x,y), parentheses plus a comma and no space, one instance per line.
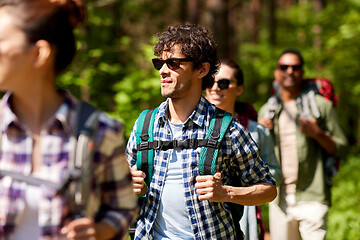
(222,83)
(172,63)
(284,67)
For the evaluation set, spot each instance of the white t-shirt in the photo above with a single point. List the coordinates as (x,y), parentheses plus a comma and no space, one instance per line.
(27,227)
(172,220)
(289,159)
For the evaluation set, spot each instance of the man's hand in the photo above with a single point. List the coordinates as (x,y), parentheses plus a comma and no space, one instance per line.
(210,187)
(138,178)
(309,127)
(86,229)
(82,228)
(267,122)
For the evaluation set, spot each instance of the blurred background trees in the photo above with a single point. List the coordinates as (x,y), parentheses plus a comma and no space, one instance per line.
(113,67)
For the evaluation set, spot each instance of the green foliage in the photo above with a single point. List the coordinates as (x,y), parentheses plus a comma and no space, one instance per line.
(344,217)
(137,91)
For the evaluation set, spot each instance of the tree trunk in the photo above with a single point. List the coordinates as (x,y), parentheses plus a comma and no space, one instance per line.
(193,11)
(255,9)
(272,23)
(220,26)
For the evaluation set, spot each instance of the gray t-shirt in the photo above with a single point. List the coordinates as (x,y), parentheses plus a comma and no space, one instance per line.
(172,220)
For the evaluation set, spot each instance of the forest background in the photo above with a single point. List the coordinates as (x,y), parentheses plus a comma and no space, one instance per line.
(113,67)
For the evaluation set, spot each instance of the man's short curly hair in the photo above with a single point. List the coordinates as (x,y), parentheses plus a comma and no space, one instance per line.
(196,43)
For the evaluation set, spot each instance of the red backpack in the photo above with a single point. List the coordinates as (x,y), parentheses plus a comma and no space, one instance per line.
(324,87)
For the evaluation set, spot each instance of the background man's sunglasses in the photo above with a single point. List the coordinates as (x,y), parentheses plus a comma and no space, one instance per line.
(223,83)
(284,67)
(172,63)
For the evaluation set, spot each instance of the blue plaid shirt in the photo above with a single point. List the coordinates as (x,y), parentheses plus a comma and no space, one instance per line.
(238,157)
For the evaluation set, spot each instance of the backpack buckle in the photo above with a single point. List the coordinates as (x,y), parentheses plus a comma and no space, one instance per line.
(158,145)
(143,146)
(192,143)
(215,135)
(181,144)
(144,137)
(212,143)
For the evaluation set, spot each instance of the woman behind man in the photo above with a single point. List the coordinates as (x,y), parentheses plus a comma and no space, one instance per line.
(228,85)
(37,121)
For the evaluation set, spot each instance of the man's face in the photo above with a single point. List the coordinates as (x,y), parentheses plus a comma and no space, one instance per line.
(223,98)
(289,73)
(177,83)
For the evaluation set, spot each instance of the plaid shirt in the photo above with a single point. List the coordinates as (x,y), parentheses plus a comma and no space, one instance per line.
(112,185)
(238,157)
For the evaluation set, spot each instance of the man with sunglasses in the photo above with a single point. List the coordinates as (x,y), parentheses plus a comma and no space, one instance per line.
(302,145)
(180,203)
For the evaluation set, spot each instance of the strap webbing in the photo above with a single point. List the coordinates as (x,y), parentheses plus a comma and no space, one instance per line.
(144,137)
(219,124)
(210,153)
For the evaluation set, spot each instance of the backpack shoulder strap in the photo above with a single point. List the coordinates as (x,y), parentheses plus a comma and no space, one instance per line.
(81,158)
(307,106)
(86,118)
(272,105)
(219,124)
(144,135)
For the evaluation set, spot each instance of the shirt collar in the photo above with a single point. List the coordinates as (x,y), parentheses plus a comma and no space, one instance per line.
(63,115)
(197,116)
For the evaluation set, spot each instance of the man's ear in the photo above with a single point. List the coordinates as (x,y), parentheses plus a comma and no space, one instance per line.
(43,52)
(204,69)
(239,90)
(277,74)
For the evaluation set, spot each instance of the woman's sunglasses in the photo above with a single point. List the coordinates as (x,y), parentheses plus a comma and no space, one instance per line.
(171,63)
(222,83)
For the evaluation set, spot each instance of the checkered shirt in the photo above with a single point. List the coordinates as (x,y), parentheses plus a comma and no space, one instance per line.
(112,185)
(238,157)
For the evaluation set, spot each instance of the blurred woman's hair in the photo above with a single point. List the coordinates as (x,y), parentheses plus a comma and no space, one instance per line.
(52,21)
(238,74)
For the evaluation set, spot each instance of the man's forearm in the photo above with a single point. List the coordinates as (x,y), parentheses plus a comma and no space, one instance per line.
(253,195)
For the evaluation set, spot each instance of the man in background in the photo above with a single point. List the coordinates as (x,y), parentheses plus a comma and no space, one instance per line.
(302,143)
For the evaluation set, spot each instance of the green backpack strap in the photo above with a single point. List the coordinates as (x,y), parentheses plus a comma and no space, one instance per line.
(219,124)
(144,135)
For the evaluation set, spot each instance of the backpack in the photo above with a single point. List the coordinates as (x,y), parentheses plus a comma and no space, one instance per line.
(77,179)
(145,146)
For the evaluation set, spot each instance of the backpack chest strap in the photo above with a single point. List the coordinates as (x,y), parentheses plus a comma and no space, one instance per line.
(191,143)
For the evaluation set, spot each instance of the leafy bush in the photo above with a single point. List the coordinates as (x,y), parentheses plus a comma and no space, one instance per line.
(344,217)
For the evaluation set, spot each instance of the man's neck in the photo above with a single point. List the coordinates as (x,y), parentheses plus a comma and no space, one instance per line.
(181,109)
(287,95)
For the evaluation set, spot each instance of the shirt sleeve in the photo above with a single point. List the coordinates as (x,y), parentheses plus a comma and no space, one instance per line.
(267,153)
(118,201)
(244,152)
(131,148)
(333,128)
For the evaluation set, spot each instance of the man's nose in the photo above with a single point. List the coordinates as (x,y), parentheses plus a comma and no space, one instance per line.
(164,69)
(290,70)
(215,86)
